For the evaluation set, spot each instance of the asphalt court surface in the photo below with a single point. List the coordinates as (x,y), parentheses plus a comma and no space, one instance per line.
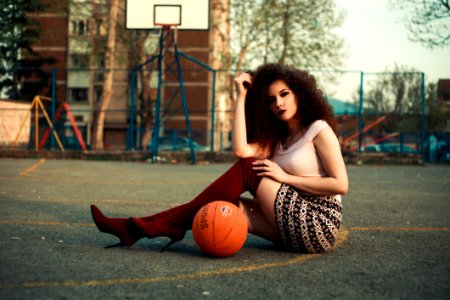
(394,243)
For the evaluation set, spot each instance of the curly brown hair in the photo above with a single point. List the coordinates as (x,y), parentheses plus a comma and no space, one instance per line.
(262,125)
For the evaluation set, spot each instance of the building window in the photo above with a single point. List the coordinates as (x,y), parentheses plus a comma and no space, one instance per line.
(78,95)
(79,60)
(98,94)
(80,27)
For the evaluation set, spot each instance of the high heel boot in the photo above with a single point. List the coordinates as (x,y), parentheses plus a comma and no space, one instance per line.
(122,228)
(174,223)
(168,223)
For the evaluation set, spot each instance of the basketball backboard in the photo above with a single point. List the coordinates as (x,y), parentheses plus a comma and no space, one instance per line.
(153,14)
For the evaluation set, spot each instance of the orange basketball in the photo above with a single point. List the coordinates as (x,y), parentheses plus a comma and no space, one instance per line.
(220,228)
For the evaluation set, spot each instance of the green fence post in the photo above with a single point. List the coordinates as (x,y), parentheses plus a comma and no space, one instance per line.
(423,121)
(360,113)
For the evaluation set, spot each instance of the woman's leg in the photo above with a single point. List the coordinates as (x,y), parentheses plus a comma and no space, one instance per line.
(257,221)
(260,211)
(174,223)
(123,228)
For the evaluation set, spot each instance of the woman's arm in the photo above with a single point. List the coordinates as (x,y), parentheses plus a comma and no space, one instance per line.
(327,146)
(241,148)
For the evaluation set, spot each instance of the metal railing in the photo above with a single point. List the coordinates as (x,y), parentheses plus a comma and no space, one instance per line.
(363,127)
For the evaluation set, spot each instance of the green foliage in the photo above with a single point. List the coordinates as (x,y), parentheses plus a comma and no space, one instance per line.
(18,62)
(397,91)
(297,32)
(436,116)
(396,94)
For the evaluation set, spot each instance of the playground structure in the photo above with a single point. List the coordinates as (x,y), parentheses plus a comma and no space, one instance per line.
(376,139)
(64,107)
(347,140)
(346,143)
(37,104)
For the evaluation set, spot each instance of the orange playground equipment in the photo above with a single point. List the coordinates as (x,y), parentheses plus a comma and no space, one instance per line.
(64,106)
(347,140)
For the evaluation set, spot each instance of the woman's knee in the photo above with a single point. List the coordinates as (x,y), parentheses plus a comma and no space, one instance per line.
(257,221)
(247,161)
(268,189)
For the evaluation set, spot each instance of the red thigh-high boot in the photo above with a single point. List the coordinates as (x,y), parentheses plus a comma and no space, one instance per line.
(123,228)
(174,223)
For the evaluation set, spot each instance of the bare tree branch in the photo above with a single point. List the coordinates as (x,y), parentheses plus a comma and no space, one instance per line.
(428,21)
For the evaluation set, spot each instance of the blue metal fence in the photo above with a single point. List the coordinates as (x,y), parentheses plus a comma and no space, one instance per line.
(387,136)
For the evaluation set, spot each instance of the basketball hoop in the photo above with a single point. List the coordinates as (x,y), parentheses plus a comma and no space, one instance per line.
(166,15)
(157,14)
(168,18)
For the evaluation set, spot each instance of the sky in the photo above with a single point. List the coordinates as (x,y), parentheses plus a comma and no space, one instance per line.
(377,40)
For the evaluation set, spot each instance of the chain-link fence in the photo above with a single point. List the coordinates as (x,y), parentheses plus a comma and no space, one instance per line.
(377,112)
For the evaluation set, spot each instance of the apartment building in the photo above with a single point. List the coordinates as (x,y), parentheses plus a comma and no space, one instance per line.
(75,32)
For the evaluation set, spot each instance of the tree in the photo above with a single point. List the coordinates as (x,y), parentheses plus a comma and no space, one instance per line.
(22,75)
(297,32)
(427,21)
(398,94)
(108,76)
(436,116)
(136,42)
(107,40)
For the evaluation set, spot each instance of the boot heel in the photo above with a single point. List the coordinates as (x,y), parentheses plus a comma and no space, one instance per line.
(170,243)
(119,227)
(121,244)
(160,228)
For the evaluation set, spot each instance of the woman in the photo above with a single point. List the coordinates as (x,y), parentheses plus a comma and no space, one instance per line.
(289,160)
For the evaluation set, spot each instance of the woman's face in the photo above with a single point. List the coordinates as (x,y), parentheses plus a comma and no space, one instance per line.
(283,102)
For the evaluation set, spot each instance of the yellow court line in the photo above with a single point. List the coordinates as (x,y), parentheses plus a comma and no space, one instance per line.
(75,224)
(342,237)
(45,223)
(145,182)
(194,275)
(32,168)
(120,202)
(379,228)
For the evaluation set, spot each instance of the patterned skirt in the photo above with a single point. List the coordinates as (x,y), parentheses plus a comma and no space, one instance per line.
(307,224)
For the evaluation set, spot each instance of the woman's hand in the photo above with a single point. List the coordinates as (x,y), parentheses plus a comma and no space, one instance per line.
(241,84)
(268,168)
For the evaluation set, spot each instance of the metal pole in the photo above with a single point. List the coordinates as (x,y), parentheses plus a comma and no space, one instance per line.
(155,133)
(36,124)
(53,107)
(183,99)
(360,114)
(424,120)
(132,100)
(213,110)
(213,92)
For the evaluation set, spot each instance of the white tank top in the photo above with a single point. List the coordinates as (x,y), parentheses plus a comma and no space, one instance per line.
(301,158)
